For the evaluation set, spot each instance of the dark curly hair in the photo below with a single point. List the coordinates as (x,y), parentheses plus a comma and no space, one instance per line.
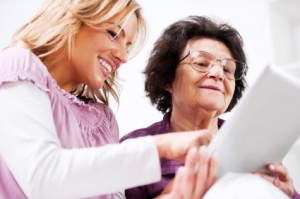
(164,58)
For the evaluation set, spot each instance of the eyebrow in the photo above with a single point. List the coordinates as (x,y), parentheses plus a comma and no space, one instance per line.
(123,33)
(120,31)
(120,27)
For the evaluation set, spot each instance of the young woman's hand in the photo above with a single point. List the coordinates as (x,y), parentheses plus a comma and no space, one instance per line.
(194,178)
(176,145)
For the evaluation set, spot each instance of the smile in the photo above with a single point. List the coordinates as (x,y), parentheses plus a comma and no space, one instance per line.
(107,66)
(212,88)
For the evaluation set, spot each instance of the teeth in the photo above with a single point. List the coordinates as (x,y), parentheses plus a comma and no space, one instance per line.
(106,65)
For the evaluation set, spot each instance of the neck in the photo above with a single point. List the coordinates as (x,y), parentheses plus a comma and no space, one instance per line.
(59,68)
(184,121)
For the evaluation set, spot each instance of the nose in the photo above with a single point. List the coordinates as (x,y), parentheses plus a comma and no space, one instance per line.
(216,72)
(121,54)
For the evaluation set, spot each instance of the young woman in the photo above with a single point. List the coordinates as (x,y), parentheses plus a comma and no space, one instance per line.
(56,78)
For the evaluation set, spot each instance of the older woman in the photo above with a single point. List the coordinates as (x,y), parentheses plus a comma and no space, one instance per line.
(195,73)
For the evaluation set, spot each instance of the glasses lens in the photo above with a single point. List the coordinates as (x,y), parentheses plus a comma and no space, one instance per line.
(239,70)
(229,68)
(233,69)
(201,61)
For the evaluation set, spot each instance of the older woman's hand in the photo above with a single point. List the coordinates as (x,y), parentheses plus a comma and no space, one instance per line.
(193,179)
(280,178)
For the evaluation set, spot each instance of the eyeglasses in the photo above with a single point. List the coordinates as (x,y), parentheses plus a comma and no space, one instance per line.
(203,62)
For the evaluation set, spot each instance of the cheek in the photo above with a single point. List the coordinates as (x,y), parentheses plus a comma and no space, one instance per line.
(230,91)
(79,61)
(184,84)
(179,87)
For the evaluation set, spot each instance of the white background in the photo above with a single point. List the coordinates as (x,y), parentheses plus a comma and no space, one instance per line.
(266,26)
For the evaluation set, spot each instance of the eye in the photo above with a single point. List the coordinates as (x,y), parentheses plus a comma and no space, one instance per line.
(112,34)
(201,61)
(228,70)
(202,64)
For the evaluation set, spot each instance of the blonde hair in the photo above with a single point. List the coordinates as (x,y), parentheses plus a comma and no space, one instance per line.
(55,25)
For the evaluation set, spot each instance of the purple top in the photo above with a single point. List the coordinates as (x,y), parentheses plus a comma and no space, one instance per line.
(168,167)
(78,125)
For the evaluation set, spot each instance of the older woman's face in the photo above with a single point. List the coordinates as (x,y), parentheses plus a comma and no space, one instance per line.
(210,91)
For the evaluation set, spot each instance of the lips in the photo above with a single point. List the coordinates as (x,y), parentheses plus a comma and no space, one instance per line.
(211,87)
(108,68)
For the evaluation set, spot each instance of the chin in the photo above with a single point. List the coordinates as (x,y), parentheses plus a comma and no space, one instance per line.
(96,85)
(214,106)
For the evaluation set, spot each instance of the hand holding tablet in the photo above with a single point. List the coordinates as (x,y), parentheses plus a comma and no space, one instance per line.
(263,126)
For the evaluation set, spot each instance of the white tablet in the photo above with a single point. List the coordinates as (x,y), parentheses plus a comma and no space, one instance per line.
(263,126)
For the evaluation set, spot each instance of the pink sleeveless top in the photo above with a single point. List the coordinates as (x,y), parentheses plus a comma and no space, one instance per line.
(78,124)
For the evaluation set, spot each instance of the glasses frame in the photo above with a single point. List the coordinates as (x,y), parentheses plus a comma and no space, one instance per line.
(215,60)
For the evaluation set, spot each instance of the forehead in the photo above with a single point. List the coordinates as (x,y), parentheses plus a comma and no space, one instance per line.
(215,47)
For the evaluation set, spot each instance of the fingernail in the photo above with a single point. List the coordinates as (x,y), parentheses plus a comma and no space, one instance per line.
(193,153)
(203,149)
(272,167)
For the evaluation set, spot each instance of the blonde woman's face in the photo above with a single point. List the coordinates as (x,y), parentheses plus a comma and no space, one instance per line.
(98,53)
